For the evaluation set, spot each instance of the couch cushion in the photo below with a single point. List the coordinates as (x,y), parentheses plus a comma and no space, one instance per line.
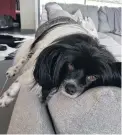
(78,15)
(86,10)
(113,46)
(110,17)
(117,38)
(89,25)
(103,25)
(97,111)
(110,20)
(54,10)
(118,25)
(29,115)
(44,17)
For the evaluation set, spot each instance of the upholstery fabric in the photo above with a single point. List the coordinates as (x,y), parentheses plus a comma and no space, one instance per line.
(54,10)
(118,21)
(110,17)
(103,25)
(110,20)
(44,17)
(117,38)
(113,46)
(86,10)
(29,115)
(89,25)
(97,111)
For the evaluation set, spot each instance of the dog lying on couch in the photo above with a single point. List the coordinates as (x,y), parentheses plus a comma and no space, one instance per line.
(63,57)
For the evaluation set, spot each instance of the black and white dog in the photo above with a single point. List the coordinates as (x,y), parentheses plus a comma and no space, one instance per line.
(62,58)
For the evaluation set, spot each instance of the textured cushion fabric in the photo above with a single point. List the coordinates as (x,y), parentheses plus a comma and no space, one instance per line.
(110,20)
(44,17)
(52,6)
(86,10)
(113,46)
(114,19)
(78,15)
(103,25)
(97,111)
(89,25)
(118,24)
(54,10)
(29,115)
(110,17)
(117,38)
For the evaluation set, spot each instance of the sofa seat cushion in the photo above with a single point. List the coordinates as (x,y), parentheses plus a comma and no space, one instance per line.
(96,111)
(113,46)
(117,38)
(29,115)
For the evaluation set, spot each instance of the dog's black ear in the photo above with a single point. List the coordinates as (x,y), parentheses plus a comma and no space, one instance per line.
(47,63)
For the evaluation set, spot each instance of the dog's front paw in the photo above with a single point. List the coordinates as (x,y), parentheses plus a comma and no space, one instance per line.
(12,71)
(5,100)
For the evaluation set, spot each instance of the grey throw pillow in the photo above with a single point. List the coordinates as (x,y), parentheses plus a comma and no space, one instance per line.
(117,25)
(44,17)
(77,16)
(110,17)
(54,10)
(103,25)
(89,25)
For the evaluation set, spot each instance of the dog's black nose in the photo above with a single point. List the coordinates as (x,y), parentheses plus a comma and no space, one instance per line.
(70,89)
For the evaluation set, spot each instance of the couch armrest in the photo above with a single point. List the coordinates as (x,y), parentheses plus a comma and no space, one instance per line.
(97,111)
(29,115)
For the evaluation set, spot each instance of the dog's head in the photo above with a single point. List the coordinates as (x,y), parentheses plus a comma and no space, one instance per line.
(71,64)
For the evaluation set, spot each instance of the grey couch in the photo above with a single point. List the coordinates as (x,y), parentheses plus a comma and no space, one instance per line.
(97,111)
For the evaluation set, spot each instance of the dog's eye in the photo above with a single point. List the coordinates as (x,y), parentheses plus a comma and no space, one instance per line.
(70,67)
(91,78)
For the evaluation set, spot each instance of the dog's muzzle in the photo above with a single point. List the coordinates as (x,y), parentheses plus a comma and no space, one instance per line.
(70,88)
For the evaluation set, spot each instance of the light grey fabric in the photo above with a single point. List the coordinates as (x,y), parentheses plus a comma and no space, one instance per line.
(110,20)
(29,115)
(117,38)
(103,25)
(110,17)
(113,46)
(44,17)
(86,10)
(118,21)
(54,10)
(97,111)
(88,24)
(77,15)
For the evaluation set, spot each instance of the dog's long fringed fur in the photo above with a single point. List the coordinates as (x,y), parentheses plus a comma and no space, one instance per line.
(68,64)
(63,58)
